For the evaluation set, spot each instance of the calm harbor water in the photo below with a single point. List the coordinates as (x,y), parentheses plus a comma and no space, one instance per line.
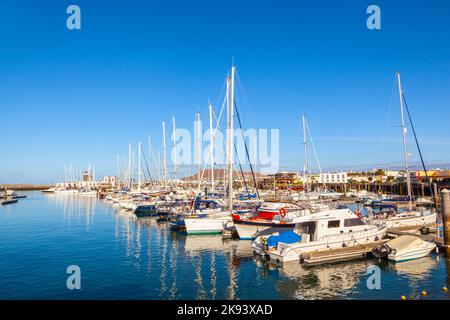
(124,257)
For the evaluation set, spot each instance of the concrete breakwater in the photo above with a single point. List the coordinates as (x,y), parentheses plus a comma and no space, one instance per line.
(26,187)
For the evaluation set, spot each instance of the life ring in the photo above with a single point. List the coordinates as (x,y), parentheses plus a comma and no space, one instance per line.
(282,212)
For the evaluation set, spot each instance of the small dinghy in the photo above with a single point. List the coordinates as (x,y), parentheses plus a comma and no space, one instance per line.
(404,248)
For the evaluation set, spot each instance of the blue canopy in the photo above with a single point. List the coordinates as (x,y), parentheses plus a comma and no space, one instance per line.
(285,237)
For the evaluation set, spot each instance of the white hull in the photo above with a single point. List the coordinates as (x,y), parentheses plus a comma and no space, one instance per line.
(90,193)
(416,254)
(417,221)
(65,191)
(293,252)
(127,205)
(247,232)
(208,225)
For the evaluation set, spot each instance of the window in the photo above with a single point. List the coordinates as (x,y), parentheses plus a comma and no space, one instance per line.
(334,224)
(353,222)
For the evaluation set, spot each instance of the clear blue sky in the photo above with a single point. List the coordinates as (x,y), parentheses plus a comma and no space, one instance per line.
(74,96)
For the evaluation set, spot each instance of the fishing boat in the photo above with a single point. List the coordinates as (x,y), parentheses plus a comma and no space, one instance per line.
(318,232)
(405,247)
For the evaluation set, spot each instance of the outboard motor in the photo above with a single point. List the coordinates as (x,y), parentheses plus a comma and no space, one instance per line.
(381,252)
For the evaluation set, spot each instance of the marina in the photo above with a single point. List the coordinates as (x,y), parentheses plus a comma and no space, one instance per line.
(125,257)
(227,212)
(242,152)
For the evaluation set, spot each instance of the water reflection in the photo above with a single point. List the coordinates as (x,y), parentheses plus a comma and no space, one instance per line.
(209,267)
(148,261)
(321,282)
(76,208)
(416,269)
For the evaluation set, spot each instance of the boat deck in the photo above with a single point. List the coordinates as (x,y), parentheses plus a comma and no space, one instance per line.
(340,255)
(432,237)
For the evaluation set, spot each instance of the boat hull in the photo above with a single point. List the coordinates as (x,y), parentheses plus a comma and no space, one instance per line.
(413,254)
(205,225)
(247,229)
(413,222)
(286,253)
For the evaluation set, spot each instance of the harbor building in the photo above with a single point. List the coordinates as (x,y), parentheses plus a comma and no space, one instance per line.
(333,178)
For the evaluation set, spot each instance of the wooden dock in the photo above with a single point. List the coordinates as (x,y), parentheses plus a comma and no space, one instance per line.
(341,254)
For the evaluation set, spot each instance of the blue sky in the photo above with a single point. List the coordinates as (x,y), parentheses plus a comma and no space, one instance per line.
(83,95)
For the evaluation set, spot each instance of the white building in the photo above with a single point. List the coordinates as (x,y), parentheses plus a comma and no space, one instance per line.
(112,181)
(333,177)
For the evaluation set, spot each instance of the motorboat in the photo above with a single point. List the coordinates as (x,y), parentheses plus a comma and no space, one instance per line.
(320,231)
(12,194)
(401,218)
(269,215)
(405,247)
(86,192)
(8,200)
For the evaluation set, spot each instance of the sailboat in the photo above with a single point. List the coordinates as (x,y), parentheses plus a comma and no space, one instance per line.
(409,218)
(218,221)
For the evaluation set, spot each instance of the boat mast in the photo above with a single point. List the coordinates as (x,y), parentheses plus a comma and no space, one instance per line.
(230,138)
(199,147)
(150,157)
(164,155)
(173,146)
(405,150)
(305,167)
(139,166)
(118,166)
(211,151)
(129,166)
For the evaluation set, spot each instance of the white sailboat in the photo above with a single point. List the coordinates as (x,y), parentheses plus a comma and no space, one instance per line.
(408,218)
(217,222)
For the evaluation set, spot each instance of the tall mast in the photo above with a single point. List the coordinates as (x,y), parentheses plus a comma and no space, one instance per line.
(118,166)
(230,138)
(199,147)
(164,154)
(173,146)
(305,167)
(211,133)
(133,167)
(129,166)
(405,150)
(139,166)
(150,156)
(65,173)
(159,168)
